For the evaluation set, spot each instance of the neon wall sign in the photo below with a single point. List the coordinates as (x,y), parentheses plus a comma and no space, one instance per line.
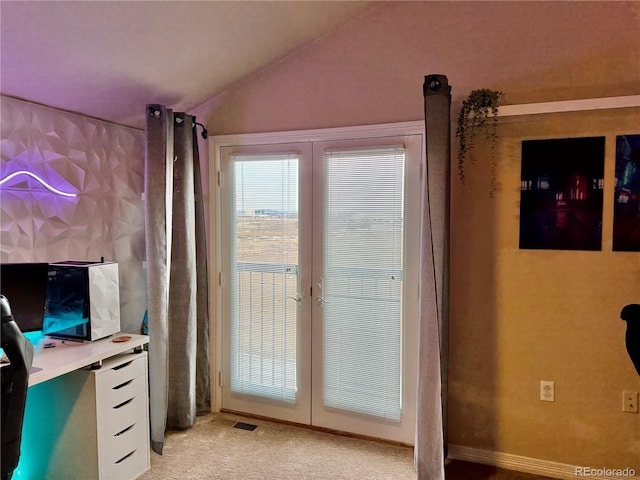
(40,180)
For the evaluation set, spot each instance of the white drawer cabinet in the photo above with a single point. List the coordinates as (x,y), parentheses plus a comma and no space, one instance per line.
(105,435)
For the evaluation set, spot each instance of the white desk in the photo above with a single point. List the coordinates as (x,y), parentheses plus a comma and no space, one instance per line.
(68,355)
(83,423)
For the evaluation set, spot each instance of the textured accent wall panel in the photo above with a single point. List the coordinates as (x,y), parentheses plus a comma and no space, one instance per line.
(16,233)
(14,125)
(101,162)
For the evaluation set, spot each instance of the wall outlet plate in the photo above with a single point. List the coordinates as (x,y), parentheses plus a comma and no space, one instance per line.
(630,402)
(547,391)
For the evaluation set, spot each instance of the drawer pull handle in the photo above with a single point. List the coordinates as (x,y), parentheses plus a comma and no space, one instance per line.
(125,430)
(125,457)
(123,404)
(117,387)
(118,367)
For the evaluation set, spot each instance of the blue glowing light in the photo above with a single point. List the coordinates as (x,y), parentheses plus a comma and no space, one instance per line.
(42,182)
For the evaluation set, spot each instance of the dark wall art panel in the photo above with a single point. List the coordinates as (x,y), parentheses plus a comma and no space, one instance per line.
(561,194)
(626,202)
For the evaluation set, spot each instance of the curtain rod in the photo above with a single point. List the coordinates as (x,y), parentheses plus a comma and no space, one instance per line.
(569,106)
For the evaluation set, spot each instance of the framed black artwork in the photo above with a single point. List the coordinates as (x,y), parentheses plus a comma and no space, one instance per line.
(626,201)
(561,193)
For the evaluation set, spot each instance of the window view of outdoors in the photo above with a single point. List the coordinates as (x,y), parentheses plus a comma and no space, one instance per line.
(264,278)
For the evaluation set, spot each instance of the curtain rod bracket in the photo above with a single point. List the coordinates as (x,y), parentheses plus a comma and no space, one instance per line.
(204,133)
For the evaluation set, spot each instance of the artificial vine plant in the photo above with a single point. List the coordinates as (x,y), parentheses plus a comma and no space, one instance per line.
(478,114)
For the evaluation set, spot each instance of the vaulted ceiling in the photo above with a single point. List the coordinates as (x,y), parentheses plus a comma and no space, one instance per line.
(107,59)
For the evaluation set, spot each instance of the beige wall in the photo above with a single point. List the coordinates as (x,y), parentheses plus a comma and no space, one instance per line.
(517,317)
(371,71)
(521,316)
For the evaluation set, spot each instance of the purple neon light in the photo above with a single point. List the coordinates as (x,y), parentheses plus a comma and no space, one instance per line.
(44,184)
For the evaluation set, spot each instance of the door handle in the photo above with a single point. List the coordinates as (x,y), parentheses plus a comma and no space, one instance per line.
(321,301)
(297,298)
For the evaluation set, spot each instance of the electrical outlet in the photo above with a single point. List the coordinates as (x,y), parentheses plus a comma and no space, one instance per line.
(630,402)
(547,391)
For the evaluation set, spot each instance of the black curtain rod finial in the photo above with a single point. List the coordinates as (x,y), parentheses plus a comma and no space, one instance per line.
(436,85)
(154,110)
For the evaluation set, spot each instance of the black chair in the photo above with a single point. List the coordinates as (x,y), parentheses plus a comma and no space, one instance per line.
(15,381)
(631,315)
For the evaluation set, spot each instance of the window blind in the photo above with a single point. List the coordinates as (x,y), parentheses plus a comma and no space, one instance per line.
(363,237)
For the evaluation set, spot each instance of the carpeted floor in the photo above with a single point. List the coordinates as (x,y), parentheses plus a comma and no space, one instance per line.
(214,450)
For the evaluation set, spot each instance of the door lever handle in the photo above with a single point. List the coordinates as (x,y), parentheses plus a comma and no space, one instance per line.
(321,301)
(297,298)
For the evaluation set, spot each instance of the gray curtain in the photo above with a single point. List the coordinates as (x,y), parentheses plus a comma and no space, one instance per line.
(431,437)
(177,292)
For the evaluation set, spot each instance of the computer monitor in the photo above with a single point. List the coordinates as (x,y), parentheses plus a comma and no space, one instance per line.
(25,286)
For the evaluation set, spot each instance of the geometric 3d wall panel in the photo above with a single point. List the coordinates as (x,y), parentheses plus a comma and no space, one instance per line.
(101,162)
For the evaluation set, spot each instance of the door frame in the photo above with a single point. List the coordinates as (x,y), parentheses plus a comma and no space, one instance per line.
(214,216)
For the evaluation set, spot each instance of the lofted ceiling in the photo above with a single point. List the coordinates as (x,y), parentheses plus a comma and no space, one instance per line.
(108,59)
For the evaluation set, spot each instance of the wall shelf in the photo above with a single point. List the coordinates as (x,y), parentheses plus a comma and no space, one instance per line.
(603,103)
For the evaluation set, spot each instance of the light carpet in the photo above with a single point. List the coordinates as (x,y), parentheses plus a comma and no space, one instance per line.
(213,449)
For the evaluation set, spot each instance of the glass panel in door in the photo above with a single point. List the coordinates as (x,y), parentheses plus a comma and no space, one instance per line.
(263,300)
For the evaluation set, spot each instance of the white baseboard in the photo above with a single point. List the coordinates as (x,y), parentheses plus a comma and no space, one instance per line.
(529,465)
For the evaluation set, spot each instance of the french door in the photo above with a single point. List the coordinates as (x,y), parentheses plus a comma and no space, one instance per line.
(319,282)
(266,305)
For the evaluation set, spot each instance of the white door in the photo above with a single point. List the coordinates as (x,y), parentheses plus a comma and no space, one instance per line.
(266,280)
(366,208)
(320,283)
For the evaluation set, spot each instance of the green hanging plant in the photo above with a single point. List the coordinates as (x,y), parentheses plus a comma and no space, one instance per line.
(478,114)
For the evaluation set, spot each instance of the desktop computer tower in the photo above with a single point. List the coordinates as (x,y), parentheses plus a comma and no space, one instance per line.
(83,300)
